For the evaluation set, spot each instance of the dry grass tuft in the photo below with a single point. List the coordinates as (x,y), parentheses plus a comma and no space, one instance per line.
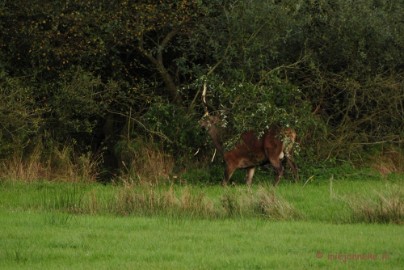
(389,161)
(17,168)
(58,164)
(380,207)
(273,206)
(144,162)
(149,200)
(264,202)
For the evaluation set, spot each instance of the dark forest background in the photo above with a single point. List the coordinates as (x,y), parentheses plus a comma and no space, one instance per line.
(99,89)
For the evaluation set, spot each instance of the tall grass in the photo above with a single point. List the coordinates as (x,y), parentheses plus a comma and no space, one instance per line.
(388,161)
(170,200)
(385,206)
(153,201)
(143,162)
(18,168)
(53,163)
(336,200)
(69,198)
(274,206)
(265,202)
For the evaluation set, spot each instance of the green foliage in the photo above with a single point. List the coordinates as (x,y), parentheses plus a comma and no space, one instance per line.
(177,129)
(77,103)
(20,118)
(274,102)
(86,72)
(345,59)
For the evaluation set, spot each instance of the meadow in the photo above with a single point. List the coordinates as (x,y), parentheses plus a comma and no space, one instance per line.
(352,222)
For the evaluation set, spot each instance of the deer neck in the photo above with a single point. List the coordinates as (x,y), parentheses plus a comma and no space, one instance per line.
(216,134)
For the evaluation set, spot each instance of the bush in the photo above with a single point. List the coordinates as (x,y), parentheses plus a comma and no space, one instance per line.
(176,129)
(75,73)
(20,117)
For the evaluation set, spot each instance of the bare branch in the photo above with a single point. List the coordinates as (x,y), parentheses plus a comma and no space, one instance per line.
(159,134)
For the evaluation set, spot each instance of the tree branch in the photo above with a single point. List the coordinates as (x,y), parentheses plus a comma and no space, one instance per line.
(158,63)
(159,134)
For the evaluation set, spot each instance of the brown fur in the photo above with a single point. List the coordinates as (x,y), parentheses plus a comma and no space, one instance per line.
(252,151)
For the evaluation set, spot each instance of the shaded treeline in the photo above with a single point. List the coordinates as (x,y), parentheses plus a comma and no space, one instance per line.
(118,83)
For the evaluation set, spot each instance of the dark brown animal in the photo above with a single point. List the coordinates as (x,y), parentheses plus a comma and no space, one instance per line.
(251,151)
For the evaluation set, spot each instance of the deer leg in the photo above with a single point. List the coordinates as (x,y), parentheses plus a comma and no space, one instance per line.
(293,166)
(228,173)
(277,164)
(249,176)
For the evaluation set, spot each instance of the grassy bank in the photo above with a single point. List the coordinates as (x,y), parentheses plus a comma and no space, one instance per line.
(329,223)
(332,200)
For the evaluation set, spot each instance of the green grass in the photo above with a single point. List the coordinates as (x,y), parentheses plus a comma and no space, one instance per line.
(32,240)
(90,226)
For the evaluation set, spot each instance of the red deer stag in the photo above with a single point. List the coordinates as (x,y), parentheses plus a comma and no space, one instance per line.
(251,151)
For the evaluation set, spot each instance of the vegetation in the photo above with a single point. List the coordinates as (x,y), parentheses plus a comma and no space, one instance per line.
(103,163)
(323,224)
(106,83)
(335,200)
(40,240)
(50,240)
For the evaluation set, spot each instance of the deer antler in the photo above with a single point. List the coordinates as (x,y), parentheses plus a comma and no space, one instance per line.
(205,106)
(205,89)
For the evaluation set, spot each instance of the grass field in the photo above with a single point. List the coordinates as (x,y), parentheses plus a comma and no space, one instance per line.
(330,224)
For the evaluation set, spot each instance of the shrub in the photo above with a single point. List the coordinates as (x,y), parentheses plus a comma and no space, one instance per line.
(20,118)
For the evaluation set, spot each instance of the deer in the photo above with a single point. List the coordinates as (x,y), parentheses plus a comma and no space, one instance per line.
(272,147)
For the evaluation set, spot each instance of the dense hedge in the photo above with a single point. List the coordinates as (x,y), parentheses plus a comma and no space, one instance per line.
(93,73)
